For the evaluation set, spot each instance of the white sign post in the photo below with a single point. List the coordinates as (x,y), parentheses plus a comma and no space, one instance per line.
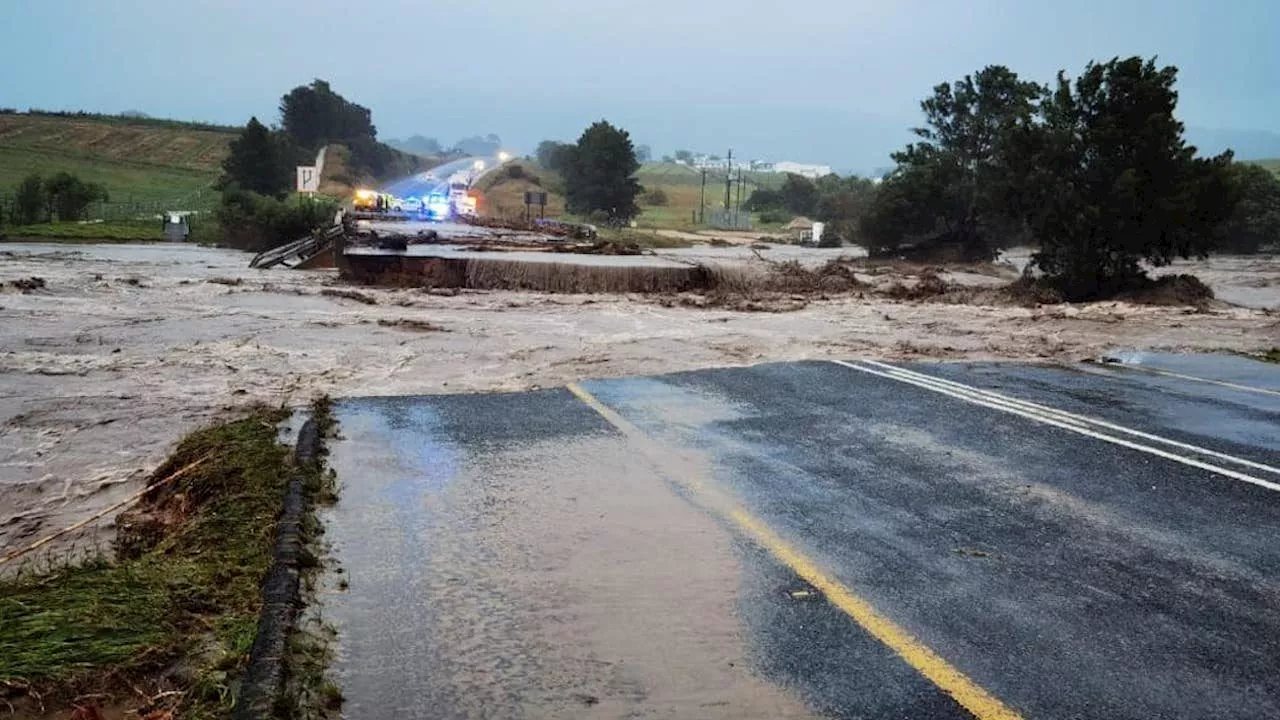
(308,179)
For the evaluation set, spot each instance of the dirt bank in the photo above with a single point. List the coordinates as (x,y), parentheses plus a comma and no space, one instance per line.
(126,348)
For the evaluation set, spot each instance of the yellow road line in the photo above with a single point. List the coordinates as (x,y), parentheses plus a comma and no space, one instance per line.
(972,697)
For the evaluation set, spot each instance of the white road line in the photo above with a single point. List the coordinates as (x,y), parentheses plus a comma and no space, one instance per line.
(1180,376)
(1049,419)
(1066,416)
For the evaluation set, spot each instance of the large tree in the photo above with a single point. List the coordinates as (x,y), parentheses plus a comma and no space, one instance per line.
(70,196)
(843,203)
(601,178)
(798,195)
(30,202)
(258,162)
(555,156)
(1255,222)
(952,183)
(314,115)
(478,145)
(1112,184)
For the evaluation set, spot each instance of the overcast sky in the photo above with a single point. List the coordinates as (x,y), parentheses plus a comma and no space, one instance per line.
(831,81)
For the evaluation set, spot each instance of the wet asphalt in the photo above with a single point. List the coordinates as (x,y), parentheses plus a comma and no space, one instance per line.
(518,555)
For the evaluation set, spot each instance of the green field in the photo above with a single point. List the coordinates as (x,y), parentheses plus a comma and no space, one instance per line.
(154,164)
(668,174)
(87,232)
(683,188)
(125,181)
(1272,164)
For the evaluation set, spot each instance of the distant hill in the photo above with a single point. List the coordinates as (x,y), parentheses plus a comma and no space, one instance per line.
(1272,164)
(139,159)
(134,158)
(417,145)
(1247,144)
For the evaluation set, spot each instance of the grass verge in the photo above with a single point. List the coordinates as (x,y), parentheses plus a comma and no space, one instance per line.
(309,693)
(168,624)
(126,180)
(87,232)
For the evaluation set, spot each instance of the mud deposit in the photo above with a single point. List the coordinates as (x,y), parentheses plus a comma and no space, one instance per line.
(126,348)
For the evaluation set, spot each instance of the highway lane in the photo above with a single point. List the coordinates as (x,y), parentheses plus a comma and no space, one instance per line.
(415,186)
(814,539)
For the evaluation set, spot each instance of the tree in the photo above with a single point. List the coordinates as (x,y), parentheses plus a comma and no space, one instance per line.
(953,184)
(1113,184)
(798,195)
(257,162)
(1256,220)
(477,145)
(763,199)
(601,178)
(69,196)
(644,153)
(684,156)
(29,203)
(843,203)
(314,115)
(555,156)
(893,218)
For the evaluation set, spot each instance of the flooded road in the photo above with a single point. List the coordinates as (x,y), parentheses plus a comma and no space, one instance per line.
(509,557)
(814,540)
(126,348)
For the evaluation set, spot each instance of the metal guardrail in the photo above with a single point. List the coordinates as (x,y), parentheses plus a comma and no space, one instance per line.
(297,250)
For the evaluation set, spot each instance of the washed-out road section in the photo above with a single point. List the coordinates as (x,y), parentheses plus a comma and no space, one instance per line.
(817,539)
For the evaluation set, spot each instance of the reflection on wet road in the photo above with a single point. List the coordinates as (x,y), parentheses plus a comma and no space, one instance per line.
(814,540)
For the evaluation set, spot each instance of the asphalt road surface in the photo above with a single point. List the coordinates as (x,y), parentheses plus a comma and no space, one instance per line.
(416,186)
(818,539)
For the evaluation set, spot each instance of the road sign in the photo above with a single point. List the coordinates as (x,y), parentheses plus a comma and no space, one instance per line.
(308,179)
(535,198)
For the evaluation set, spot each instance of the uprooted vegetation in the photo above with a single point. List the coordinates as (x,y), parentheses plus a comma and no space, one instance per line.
(791,285)
(167,624)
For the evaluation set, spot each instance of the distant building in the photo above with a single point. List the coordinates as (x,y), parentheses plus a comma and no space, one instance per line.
(813,172)
(706,162)
(177,227)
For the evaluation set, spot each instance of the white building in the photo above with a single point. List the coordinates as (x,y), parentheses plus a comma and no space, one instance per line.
(813,172)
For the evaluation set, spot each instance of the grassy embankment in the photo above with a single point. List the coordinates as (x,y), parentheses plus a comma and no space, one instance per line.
(504,195)
(683,187)
(173,617)
(1272,164)
(145,165)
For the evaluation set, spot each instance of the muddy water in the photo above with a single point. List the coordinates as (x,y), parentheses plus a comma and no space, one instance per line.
(128,347)
(533,570)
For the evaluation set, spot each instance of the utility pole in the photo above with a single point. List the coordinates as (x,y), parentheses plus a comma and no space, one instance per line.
(740,188)
(728,182)
(702,205)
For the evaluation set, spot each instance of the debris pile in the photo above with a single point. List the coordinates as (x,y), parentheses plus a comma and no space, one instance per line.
(26,285)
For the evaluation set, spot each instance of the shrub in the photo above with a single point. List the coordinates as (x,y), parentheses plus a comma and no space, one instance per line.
(655,197)
(30,202)
(256,222)
(774,216)
(69,196)
(830,239)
